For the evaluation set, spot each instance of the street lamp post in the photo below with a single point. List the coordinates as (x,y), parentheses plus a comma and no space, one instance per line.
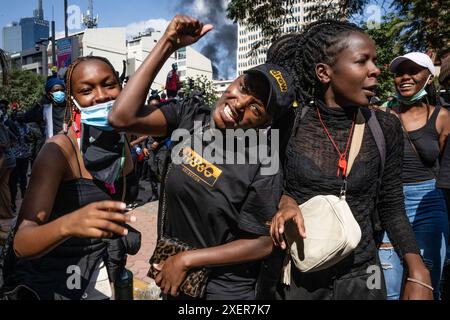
(41,46)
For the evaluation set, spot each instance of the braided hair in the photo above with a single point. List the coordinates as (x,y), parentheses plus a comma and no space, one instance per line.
(71,108)
(299,53)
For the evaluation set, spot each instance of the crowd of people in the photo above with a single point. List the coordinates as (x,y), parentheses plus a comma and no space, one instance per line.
(92,139)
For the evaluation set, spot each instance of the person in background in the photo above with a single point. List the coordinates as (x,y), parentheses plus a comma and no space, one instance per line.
(7,141)
(54,71)
(426,127)
(443,180)
(164,97)
(173,82)
(444,81)
(50,111)
(22,152)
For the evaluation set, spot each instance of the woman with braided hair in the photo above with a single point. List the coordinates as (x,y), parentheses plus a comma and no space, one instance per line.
(334,67)
(70,241)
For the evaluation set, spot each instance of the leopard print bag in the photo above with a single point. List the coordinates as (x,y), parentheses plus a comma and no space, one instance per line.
(195,283)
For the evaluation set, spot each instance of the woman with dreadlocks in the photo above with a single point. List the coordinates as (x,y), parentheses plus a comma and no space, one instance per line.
(70,240)
(334,66)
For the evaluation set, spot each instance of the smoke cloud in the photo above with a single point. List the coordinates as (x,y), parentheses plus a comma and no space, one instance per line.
(221,43)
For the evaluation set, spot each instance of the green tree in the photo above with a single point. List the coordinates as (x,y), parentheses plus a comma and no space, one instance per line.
(202,85)
(270,15)
(424,25)
(25,88)
(387,50)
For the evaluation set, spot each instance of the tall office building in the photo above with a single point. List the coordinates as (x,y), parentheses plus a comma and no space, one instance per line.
(23,36)
(12,38)
(190,62)
(246,57)
(34,29)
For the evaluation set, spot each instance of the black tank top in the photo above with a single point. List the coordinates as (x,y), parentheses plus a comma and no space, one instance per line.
(426,142)
(48,275)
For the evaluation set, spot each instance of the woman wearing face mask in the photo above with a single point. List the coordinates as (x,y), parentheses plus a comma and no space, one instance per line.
(425,131)
(334,65)
(69,240)
(222,209)
(50,111)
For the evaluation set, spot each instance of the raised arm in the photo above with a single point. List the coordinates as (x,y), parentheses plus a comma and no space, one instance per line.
(129,113)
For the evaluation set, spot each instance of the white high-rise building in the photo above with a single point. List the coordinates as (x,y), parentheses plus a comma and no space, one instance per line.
(139,48)
(190,62)
(246,58)
(193,64)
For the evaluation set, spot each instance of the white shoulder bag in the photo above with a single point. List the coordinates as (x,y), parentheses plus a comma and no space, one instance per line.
(332,231)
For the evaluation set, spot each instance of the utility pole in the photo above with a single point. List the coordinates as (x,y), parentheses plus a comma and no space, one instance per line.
(66,17)
(54,62)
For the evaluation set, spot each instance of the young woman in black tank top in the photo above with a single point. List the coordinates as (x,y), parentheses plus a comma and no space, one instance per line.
(68,220)
(426,128)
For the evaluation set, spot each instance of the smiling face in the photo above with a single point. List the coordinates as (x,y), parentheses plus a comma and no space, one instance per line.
(352,79)
(94,82)
(243,104)
(410,78)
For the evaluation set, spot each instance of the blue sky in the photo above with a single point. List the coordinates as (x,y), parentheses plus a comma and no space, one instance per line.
(136,15)
(113,13)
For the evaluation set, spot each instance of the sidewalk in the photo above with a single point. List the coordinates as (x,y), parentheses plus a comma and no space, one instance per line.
(144,287)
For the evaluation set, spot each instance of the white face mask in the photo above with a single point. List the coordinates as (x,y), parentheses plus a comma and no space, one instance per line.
(96,116)
(417,97)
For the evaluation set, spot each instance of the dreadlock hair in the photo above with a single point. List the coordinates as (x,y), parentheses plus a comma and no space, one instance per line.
(299,53)
(70,106)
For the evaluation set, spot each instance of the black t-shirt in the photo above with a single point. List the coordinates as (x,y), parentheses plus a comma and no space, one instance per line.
(211,204)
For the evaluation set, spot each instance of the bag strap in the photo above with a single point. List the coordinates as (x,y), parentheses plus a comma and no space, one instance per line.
(378,135)
(164,204)
(380,141)
(357,139)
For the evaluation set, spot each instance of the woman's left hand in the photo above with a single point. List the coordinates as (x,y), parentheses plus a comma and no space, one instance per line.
(416,291)
(172,273)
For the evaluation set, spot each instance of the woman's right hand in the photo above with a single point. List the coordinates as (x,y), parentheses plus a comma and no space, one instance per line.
(289,210)
(97,220)
(184,31)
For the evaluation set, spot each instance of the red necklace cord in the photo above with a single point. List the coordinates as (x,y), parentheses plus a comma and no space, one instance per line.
(342,163)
